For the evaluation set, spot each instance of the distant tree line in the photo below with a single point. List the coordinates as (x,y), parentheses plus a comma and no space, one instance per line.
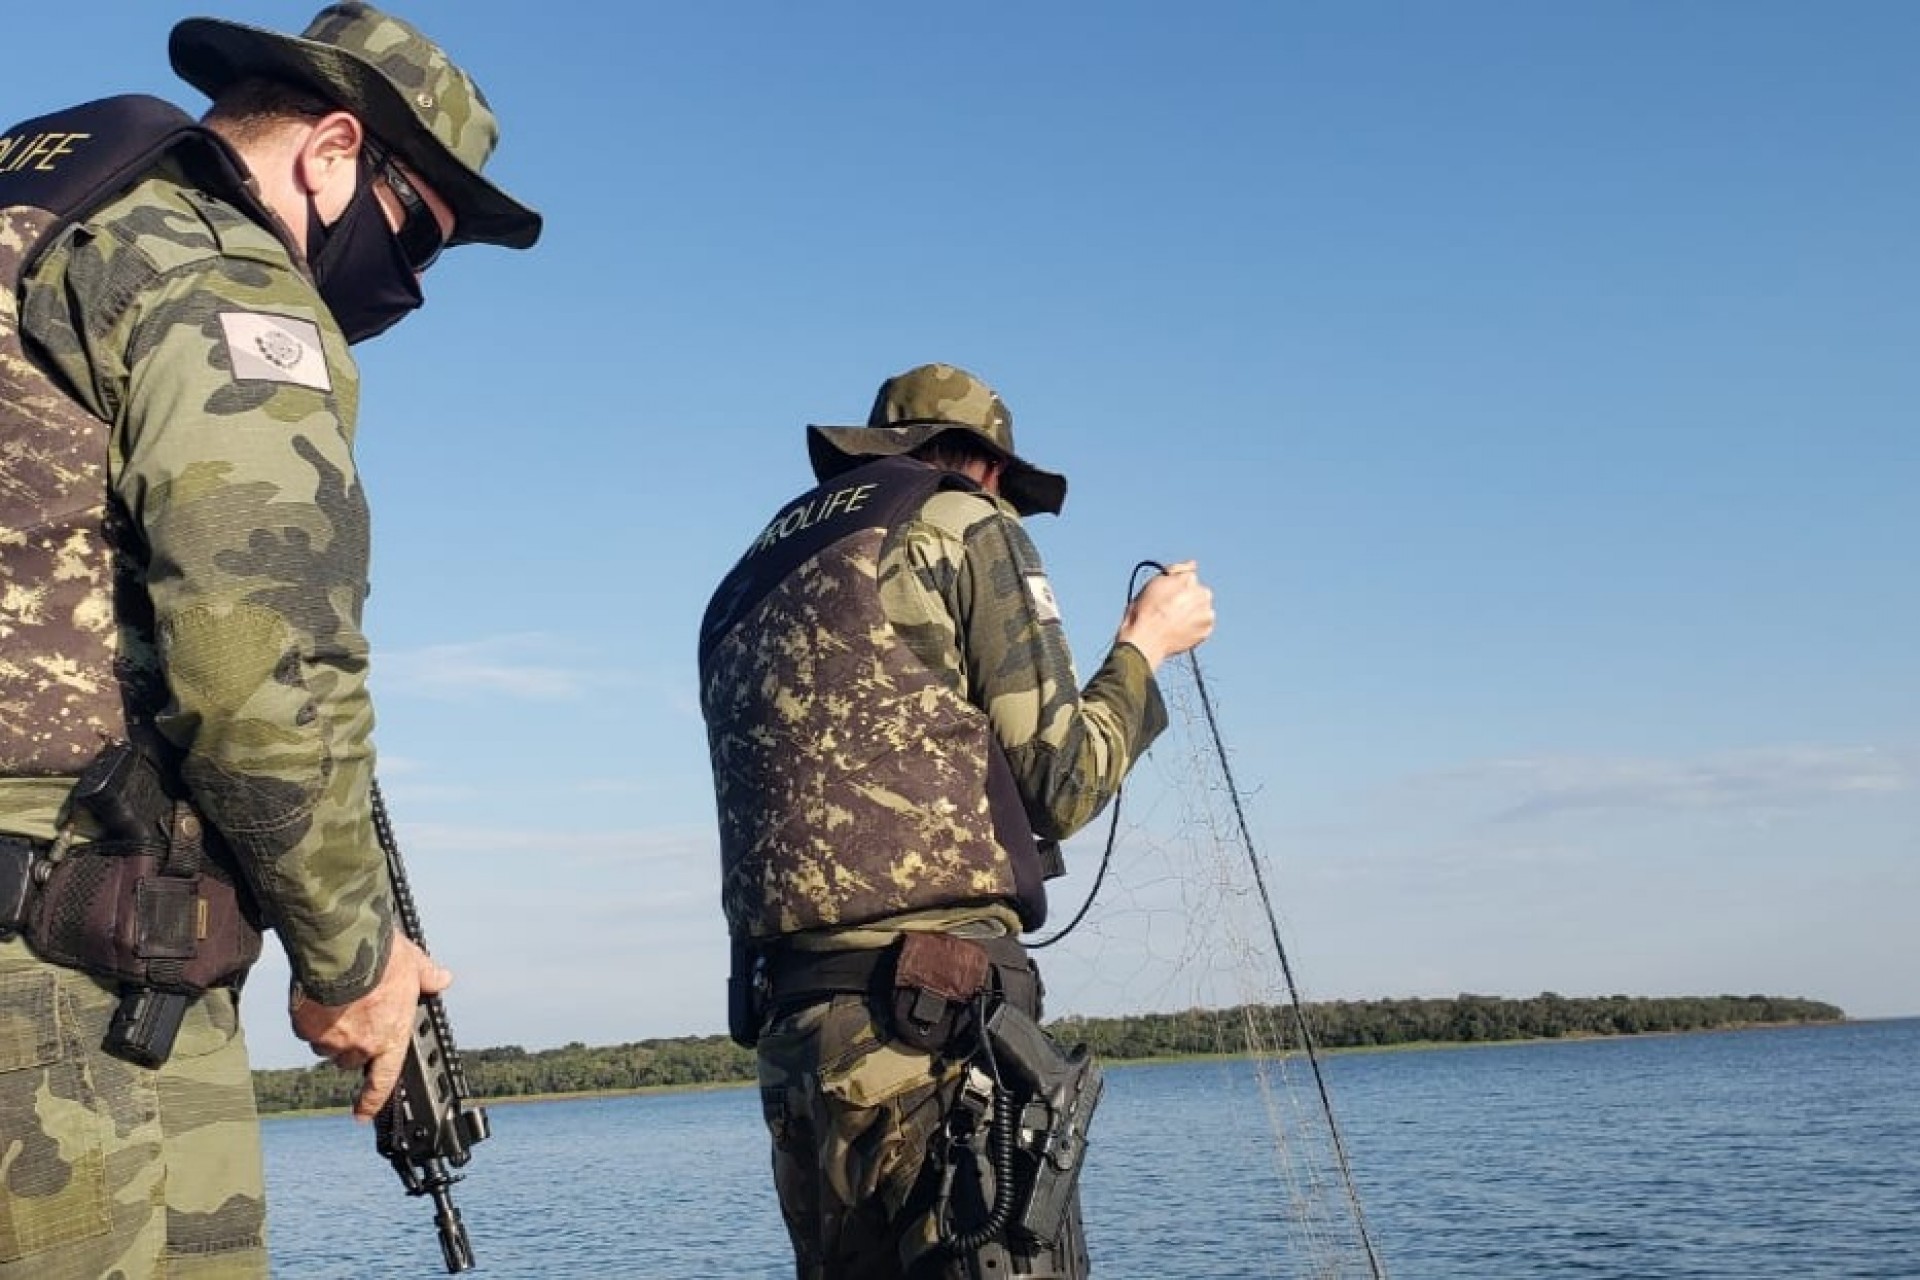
(514,1072)
(1464,1019)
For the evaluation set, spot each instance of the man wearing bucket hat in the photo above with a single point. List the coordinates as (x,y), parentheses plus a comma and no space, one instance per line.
(185,729)
(899,741)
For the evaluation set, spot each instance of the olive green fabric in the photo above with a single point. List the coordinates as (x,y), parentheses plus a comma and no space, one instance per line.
(231,397)
(850,1114)
(965,588)
(849,717)
(400,84)
(851,1118)
(116,1170)
(851,781)
(924,403)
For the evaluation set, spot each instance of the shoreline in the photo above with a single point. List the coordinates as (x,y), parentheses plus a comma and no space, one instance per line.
(1411,1046)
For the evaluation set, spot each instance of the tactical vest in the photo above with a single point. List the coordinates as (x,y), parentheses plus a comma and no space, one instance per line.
(155,903)
(852,782)
(77,664)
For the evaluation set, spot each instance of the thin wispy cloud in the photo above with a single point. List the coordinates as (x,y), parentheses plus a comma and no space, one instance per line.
(529,667)
(1756,781)
(575,847)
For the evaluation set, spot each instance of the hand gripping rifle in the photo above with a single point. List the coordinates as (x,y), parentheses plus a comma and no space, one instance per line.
(427,1129)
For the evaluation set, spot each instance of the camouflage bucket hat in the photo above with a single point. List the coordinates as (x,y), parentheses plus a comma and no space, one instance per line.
(929,401)
(403,87)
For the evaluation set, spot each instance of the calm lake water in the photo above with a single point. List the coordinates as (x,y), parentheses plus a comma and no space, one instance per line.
(1780,1153)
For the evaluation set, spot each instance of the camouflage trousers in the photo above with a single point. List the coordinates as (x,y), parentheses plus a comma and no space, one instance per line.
(853,1118)
(109,1169)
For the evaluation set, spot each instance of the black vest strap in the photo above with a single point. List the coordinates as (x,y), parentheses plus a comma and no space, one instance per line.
(876,494)
(1015,834)
(71,161)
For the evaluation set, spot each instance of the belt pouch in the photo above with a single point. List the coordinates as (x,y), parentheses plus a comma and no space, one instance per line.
(746,994)
(109,910)
(85,915)
(936,978)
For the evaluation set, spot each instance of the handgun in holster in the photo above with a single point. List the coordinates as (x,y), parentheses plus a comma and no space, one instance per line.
(1062,1089)
(121,791)
(138,904)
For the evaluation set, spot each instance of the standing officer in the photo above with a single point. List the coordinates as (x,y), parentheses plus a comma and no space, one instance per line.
(893,718)
(185,561)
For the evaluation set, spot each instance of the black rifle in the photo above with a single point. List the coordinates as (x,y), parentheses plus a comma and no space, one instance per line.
(426,1130)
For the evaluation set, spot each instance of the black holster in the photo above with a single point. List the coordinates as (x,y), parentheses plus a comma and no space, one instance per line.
(747,992)
(1008,1204)
(146,906)
(129,914)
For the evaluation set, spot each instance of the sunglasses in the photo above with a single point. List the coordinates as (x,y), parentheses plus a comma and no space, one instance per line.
(420,236)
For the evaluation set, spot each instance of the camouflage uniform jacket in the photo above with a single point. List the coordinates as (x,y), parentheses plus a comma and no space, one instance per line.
(873,774)
(177,316)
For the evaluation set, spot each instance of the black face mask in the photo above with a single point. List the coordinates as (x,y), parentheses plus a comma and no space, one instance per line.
(359,268)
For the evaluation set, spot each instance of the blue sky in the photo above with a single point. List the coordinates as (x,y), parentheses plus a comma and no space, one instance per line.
(1534,384)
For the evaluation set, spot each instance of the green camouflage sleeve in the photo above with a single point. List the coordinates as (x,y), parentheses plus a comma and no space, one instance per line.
(965,587)
(232,396)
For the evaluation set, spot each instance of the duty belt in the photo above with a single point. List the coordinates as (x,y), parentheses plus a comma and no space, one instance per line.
(798,978)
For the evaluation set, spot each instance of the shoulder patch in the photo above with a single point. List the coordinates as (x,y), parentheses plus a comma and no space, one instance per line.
(1041,592)
(269,348)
